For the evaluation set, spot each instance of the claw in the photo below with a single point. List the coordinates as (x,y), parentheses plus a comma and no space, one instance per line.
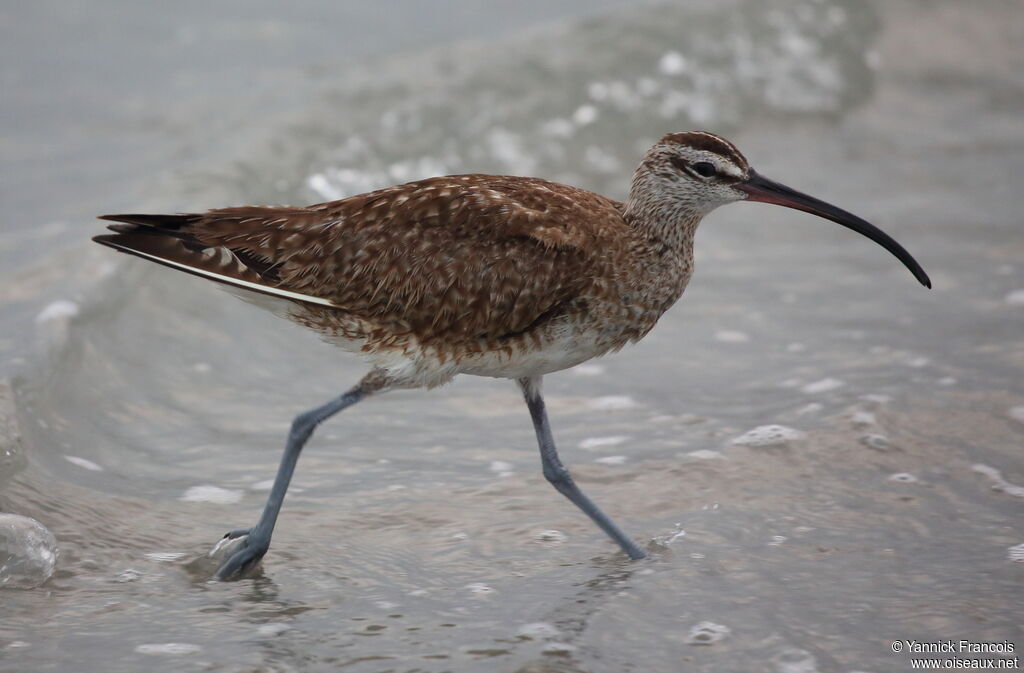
(240,552)
(242,560)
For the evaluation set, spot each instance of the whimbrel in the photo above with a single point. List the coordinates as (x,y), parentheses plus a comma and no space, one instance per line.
(490,275)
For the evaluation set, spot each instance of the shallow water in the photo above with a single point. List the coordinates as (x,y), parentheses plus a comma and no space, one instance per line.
(145,413)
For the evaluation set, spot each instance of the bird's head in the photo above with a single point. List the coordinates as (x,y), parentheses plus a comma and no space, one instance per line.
(687,175)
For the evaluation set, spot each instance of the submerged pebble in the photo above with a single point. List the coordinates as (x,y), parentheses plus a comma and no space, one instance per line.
(28,552)
(707,633)
(1017,413)
(768,435)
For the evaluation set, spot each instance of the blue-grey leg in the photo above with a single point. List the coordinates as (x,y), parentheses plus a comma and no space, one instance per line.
(558,474)
(257,539)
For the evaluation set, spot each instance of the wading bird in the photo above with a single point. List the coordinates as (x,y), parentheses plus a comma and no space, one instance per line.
(490,275)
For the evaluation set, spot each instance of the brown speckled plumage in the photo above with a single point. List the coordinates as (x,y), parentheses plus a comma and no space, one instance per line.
(451,265)
(471,274)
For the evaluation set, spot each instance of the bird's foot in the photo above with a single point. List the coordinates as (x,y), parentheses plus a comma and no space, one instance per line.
(241,550)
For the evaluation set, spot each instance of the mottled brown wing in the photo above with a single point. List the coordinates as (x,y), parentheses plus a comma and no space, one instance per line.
(459,257)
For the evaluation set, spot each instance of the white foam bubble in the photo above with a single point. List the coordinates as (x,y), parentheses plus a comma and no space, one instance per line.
(611,460)
(1015,298)
(875,441)
(550,537)
(998,482)
(612,403)
(84,463)
(707,633)
(213,494)
(1016,553)
(62,309)
(538,630)
(164,556)
(903,477)
(704,454)
(863,418)
(558,648)
(28,552)
(172,649)
(599,442)
(585,114)
(479,588)
(588,370)
(732,336)
(671,63)
(795,660)
(823,386)
(500,466)
(768,435)
(273,629)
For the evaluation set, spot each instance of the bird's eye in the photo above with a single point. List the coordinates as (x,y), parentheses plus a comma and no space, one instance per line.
(705,169)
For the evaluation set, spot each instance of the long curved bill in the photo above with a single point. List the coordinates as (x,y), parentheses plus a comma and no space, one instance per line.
(760,188)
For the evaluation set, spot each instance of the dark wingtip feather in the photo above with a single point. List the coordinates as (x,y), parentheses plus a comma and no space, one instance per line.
(171,222)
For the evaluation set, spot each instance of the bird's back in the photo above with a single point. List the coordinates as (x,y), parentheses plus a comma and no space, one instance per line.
(456,263)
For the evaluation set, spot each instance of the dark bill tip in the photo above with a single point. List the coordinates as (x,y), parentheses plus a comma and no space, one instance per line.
(760,188)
